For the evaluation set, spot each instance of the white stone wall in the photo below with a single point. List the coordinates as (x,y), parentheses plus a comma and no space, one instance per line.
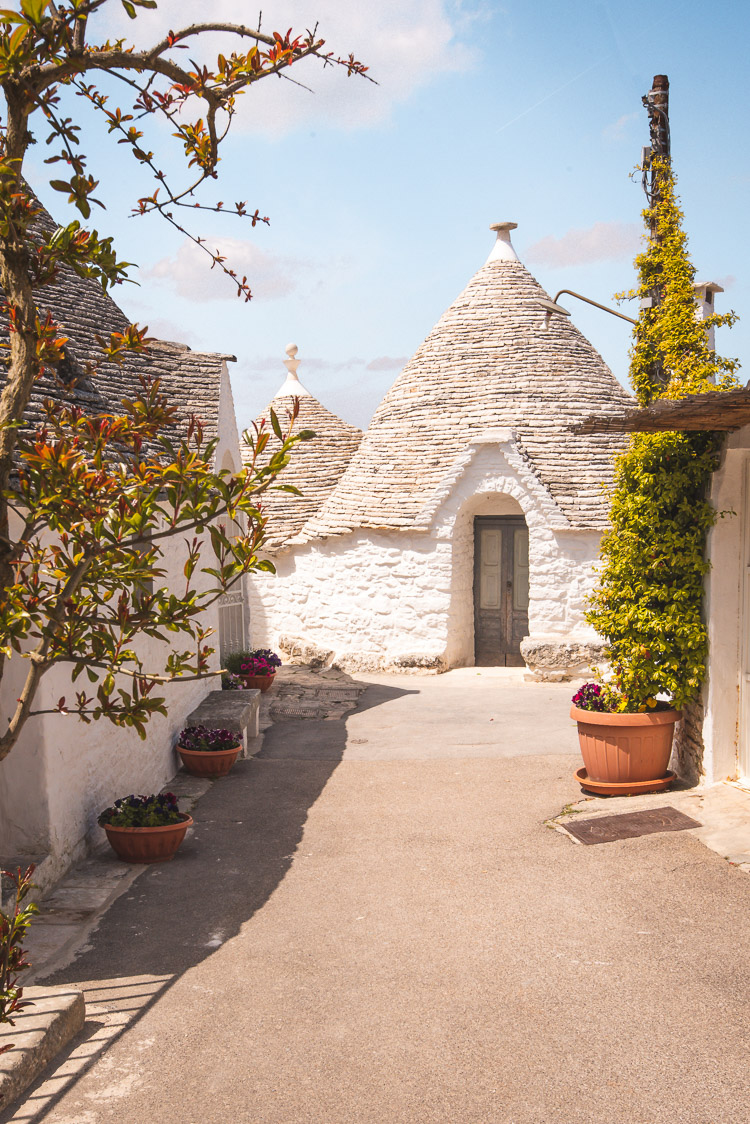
(62,773)
(378,599)
(728,616)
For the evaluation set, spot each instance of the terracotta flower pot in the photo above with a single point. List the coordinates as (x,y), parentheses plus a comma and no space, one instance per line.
(209,762)
(259,682)
(148,844)
(625,748)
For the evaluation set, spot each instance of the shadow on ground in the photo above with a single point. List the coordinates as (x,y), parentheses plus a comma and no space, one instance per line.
(248,827)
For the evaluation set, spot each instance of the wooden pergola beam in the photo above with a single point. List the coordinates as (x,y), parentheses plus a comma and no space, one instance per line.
(720,410)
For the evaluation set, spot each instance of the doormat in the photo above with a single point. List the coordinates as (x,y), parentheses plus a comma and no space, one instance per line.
(629,825)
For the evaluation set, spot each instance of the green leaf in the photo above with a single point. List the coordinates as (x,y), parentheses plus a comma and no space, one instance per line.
(17,38)
(129,8)
(34,9)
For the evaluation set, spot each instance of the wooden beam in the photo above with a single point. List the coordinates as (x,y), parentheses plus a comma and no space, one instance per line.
(720,410)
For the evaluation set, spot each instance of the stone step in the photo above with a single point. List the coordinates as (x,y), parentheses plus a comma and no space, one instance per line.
(230,710)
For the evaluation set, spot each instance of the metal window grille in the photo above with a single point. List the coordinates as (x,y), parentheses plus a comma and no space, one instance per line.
(231,624)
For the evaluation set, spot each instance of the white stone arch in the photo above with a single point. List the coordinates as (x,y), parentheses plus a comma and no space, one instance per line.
(493,479)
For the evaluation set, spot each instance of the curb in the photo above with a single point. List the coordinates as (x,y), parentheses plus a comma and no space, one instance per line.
(40,1033)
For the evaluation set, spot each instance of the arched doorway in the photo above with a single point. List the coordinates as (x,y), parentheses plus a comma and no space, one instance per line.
(501,589)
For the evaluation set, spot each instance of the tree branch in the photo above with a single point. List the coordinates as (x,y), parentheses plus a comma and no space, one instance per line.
(38,664)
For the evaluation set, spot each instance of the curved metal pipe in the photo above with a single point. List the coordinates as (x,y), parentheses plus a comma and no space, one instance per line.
(596,304)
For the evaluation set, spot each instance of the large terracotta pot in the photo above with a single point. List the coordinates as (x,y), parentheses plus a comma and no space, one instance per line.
(148,844)
(259,682)
(625,748)
(209,762)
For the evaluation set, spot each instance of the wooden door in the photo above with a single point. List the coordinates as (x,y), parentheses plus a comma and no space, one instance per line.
(501,589)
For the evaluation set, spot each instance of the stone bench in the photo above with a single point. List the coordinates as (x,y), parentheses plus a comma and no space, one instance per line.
(231,710)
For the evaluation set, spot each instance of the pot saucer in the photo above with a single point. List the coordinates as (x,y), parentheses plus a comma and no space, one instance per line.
(629,788)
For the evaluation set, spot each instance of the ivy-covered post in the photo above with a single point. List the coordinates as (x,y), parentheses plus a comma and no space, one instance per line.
(655,159)
(648,604)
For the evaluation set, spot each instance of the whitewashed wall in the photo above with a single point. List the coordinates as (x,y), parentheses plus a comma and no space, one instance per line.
(381,599)
(726,614)
(62,773)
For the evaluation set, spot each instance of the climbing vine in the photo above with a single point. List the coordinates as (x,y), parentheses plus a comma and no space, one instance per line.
(649,601)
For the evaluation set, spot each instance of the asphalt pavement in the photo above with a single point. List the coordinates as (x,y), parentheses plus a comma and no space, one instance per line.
(373,923)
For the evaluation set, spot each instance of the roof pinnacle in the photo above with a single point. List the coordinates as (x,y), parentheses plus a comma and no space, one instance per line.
(503,248)
(292,386)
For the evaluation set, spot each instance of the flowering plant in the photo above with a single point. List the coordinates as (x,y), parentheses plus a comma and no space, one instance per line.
(591,696)
(202,739)
(230,682)
(157,810)
(259,661)
(608,699)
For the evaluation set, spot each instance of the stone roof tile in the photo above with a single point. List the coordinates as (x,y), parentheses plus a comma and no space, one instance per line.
(496,358)
(315,466)
(83,310)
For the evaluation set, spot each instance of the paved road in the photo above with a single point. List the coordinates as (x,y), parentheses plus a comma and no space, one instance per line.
(372,925)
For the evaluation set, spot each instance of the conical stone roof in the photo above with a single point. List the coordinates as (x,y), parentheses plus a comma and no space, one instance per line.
(500,357)
(84,311)
(315,467)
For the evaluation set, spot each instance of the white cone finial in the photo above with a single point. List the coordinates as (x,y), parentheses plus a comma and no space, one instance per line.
(292,386)
(503,248)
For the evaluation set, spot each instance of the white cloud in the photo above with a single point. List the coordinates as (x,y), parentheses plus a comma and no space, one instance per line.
(620,128)
(604,241)
(386,363)
(270,276)
(163,329)
(405,46)
(272,363)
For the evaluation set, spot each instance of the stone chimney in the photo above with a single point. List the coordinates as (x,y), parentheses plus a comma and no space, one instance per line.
(704,291)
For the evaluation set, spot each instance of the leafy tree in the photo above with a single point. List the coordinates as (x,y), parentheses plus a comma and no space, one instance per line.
(87,503)
(649,601)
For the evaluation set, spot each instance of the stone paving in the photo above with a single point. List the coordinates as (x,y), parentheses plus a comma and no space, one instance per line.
(303,692)
(80,899)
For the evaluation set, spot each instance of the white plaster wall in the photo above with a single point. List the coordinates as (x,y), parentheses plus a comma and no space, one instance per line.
(227,453)
(386,596)
(62,773)
(24,810)
(724,612)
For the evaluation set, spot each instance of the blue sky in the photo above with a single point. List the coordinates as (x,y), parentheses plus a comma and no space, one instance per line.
(380,197)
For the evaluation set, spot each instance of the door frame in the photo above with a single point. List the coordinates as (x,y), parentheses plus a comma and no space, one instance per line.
(512,659)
